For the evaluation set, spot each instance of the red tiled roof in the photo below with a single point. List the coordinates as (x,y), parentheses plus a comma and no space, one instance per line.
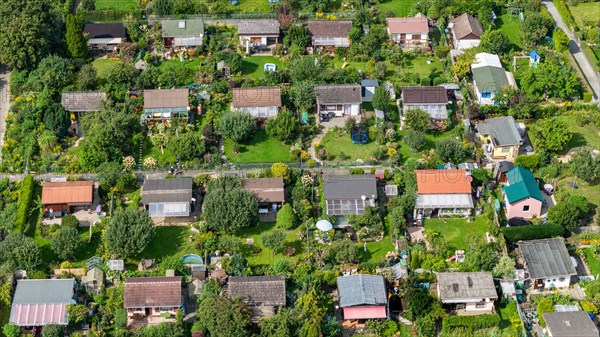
(443,182)
(408,25)
(148,292)
(70,192)
(365,312)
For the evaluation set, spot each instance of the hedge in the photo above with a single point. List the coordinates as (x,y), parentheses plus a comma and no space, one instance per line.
(470,323)
(25,197)
(514,234)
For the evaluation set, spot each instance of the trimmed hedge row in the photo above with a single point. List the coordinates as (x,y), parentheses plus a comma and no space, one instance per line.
(470,323)
(514,234)
(25,197)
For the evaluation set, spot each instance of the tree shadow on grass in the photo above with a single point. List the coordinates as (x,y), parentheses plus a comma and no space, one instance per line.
(249,67)
(166,241)
(576,141)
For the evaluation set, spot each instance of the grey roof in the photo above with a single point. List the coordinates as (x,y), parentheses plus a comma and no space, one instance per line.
(369,83)
(349,186)
(105,30)
(546,258)
(167,190)
(48,291)
(361,289)
(192,27)
(258,27)
(457,286)
(502,129)
(82,101)
(259,290)
(339,94)
(570,324)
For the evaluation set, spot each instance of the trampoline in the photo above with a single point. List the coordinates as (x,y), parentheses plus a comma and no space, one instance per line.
(191,259)
(269,67)
(360,134)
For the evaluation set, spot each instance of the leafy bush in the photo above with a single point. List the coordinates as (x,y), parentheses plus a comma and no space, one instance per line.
(470,322)
(25,198)
(530,162)
(69,221)
(514,234)
(286,218)
(357,170)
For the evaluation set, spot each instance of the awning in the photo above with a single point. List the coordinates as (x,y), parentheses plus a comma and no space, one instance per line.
(444,201)
(365,312)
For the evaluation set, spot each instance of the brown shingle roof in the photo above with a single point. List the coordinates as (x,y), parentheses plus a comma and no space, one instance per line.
(328,28)
(465,25)
(430,95)
(408,25)
(265,189)
(70,192)
(256,97)
(170,98)
(145,292)
(339,94)
(259,290)
(442,182)
(82,101)
(258,27)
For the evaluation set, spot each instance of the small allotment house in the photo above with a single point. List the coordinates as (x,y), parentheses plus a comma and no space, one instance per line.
(466,31)
(261,33)
(263,293)
(104,36)
(261,102)
(489,77)
(409,32)
(349,194)
(432,100)
(329,34)
(269,192)
(473,293)
(500,137)
(443,193)
(164,104)
(569,324)
(362,297)
(78,103)
(548,263)
(182,33)
(339,100)
(522,196)
(60,198)
(167,197)
(152,297)
(37,303)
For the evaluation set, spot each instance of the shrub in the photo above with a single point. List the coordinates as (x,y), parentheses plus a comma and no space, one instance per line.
(470,323)
(69,221)
(530,162)
(514,234)
(25,198)
(357,170)
(286,218)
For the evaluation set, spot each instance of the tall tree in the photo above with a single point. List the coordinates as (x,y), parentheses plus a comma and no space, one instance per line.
(224,317)
(550,134)
(57,119)
(561,40)
(66,242)
(27,31)
(227,207)
(274,240)
(20,252)
(535,27)
(417,119)
(303,95)
(450,150)
(51,75)
(495,42)
(129,231)
(186,146)
(381,99)
(586,165)
(284,127)
(75,40)
(236,126)
(87,79)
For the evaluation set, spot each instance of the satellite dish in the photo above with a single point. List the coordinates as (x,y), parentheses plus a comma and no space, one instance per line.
(324,225)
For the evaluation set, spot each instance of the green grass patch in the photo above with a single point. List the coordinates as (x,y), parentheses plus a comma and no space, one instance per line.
(254,66)
(592,261)
(455,231)
(266,256)
(511,26)
(420,66)
(401,8)
(102,66)
(585,13)
(175,64)
(590,192)
(260,149)
(340,144)
(431,138)
(167,241)
(587,135)
(375,250)
(116,4)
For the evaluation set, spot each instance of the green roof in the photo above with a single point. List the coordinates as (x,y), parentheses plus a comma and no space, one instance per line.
(522,185)
(490,78)
(171,28)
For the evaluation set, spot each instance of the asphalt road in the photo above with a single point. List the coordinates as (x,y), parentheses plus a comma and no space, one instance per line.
(585,65)
(4,103)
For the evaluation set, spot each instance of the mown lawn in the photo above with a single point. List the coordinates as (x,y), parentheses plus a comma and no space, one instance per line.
(102,66)
(339,143)
(587,135)
(167,241)
(511,26)
(455,231)
(585,13)
(592,261)
(191,64)
(400,7)
(266,256)
(431,138)
(87,249)
(253,66)
(590,192)
(116,4)
(260,149)
(375,250)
